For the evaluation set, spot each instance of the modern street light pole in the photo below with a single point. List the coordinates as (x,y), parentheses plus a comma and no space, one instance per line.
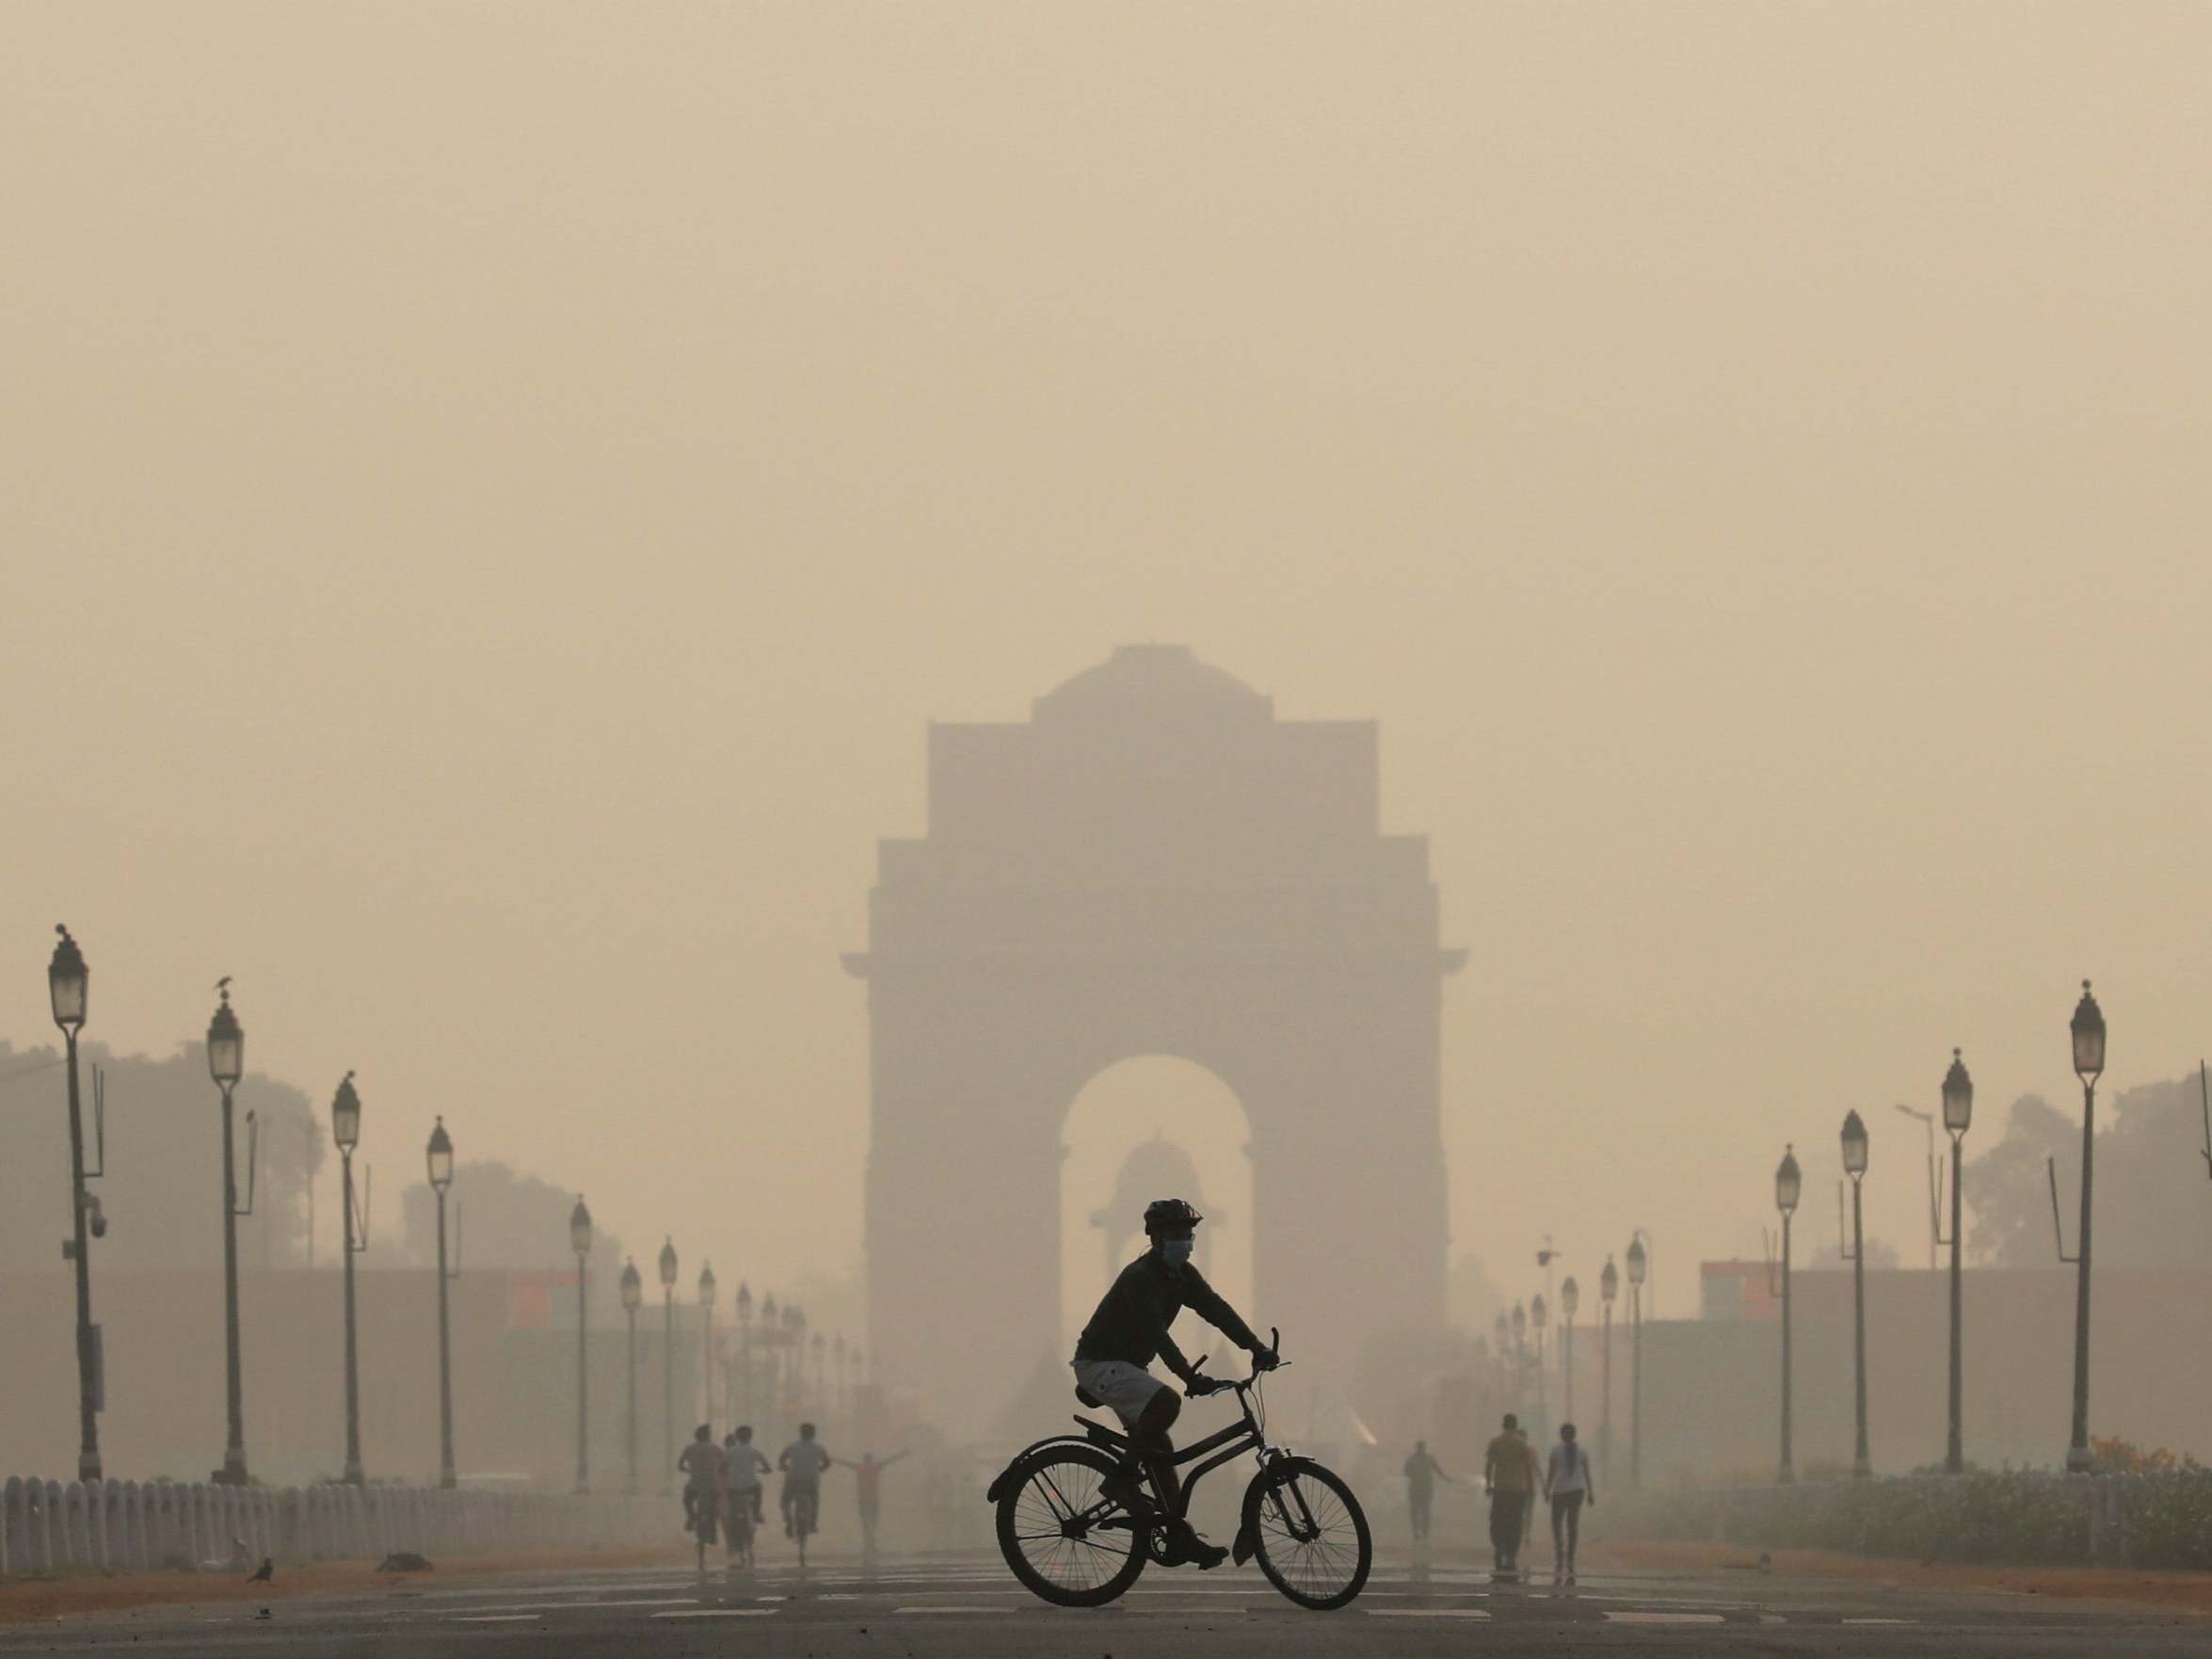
(1570,1293)
(633,1296)
(1787,1186)
(68,982)
(1927,1120)
(2089,1065)
(1608,1286)
(345,1129)
(226,1064)
(1958,1113)
(1539,1317)
(580,1242)
(1638,1266)
(1855,1166)
(707,1309)
(667,1362)
(1520,1356)
(439,1157)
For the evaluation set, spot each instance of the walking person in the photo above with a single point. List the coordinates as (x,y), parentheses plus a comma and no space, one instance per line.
(1508,1478)
(869,1472)
(1422,1471)
(1567,1484)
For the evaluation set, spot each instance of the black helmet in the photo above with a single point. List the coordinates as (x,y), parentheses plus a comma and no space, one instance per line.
(1163,1212)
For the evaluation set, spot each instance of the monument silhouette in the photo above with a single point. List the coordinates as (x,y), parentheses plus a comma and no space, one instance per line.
(1153,865)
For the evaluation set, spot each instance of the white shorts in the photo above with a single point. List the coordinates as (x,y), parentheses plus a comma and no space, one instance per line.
(1127,1389)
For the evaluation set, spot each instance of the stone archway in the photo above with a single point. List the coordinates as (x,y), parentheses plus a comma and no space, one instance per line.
(1153,865)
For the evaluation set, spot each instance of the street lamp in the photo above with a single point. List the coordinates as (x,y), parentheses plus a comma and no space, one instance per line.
(1608,1286)
(68,983)
(1540,1316)
(1958,1113)
(345,1129)
(707,1308)
(633,1296)
(1787,1186)
(2089,1065)
(580,1242)
(745,1349)
(772,1340)
(1570,1295)
(1638,1266)
(439,1157)
(1927,1120)
(667,1361)
(1855,1166)
(226,1064)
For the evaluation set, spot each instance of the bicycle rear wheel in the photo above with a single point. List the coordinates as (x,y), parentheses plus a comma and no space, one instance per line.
(1310,1533)
(1067,1540)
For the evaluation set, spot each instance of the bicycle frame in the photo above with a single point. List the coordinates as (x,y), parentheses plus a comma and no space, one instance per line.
(1225,1445)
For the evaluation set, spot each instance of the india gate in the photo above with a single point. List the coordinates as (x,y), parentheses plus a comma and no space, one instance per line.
(1152,864)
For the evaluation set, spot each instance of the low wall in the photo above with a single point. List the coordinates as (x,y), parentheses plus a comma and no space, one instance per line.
(2042,1519)
(123,1526)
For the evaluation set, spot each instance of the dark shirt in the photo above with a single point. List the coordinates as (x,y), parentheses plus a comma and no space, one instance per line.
(1132,1322)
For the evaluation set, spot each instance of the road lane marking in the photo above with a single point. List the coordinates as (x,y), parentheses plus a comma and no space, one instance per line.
(1629,1617)
(720,1613)
(969,1609)
(1426,1613)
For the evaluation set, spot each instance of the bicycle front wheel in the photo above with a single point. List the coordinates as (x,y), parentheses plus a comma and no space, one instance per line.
(1063,1536)
(1310,1533)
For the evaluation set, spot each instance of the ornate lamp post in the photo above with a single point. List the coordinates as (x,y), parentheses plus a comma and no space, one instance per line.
(1958,1113)
(818,1383)
(439,1156)
(1570,1293)
(345,1129)
(2089,1065)
(633,1296)
(667,1362)
(1855,1166)
(844,1397)
(743,1402)
(580,1242)
(67,982)
(226,1064)
(1608,1286)
(1540,1316)
(772,1340)
(1638,1265)
(795,1361)
(707,1310)
(1787,1184)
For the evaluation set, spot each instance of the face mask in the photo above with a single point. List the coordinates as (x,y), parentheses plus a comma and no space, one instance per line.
(1176,1252)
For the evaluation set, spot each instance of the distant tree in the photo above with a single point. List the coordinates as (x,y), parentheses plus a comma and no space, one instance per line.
(509,1219)
(1829,1256)
(2153,1205)
(163,1191)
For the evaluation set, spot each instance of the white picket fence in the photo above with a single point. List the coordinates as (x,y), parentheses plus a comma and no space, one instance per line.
(123,1526)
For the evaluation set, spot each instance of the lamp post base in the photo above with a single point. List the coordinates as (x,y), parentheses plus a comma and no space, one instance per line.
(1787,1476)
(1861,1469)
(2080,1460)
(232,1473)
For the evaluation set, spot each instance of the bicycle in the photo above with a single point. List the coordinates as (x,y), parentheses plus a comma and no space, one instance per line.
(739,1539)
(702,1511)
(803,1518)
(1072,1544)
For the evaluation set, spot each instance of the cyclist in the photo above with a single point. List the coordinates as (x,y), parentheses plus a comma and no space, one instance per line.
(1126,1332)
(802,1463)
(700,1464)
(746,1467)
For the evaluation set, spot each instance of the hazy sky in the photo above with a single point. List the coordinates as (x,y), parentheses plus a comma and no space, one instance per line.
(491,495)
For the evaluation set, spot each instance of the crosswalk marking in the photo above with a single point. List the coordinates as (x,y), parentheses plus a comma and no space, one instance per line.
(1426,1613)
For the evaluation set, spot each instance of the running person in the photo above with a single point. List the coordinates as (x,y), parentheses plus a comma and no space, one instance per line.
(802,1463)
(1126,1332)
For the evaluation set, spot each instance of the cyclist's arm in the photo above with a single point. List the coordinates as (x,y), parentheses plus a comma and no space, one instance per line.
(1172,1357)
(1202,1299)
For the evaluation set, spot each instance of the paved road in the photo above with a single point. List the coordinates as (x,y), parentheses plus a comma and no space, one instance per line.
(919,1610)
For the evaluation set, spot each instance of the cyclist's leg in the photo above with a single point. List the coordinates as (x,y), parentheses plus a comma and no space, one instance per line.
(1149,1440)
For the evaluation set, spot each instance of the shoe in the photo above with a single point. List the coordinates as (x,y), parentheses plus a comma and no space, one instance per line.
(1185,1548)
(1570,1575)
(1127,1490)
